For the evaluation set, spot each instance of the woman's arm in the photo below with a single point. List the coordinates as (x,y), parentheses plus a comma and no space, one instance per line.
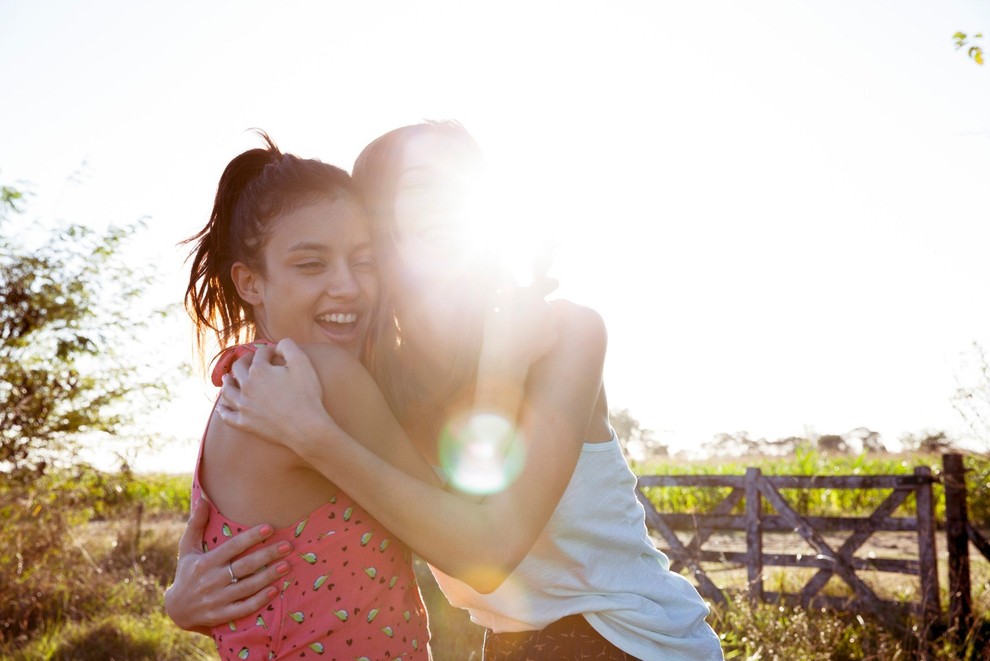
(479,543)
(326,392)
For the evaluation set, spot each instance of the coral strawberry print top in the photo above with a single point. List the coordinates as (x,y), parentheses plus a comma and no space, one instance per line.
(350,592)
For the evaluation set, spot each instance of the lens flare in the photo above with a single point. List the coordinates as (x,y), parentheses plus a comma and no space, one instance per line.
(481,454)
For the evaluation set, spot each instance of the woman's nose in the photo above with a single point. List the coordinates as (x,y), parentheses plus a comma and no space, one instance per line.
(342,283)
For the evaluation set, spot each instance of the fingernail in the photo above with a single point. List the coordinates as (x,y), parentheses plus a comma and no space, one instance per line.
(284,548)
(271,593)
(282,568)
(266,530)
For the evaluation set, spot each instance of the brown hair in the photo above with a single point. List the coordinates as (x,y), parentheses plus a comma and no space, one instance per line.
(394,366)
(255,187)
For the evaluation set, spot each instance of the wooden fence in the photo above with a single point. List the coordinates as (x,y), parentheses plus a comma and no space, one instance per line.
(765,510)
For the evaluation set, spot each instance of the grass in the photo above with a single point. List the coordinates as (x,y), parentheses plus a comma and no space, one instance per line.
(87,556)
(821,502)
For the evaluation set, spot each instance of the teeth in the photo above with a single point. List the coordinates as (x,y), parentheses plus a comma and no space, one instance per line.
(339,317)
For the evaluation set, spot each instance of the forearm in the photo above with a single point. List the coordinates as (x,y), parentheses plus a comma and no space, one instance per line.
(461,538)
(500,388)
(480,543)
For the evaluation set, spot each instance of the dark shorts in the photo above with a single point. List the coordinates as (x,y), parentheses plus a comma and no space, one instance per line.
(567,639)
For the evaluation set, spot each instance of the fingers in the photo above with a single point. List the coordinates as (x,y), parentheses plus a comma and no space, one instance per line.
(289,351)
(230,393)
(239,543)
(273,566)
(244,607)
(192,536)
(203,593)
(264,356)
(240,369)
(542,286)
(256,573)
(259,559)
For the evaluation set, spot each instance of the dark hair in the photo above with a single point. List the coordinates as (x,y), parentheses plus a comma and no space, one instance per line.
(376,174)
(255,187)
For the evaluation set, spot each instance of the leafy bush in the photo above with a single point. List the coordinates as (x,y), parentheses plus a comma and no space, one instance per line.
(71,311)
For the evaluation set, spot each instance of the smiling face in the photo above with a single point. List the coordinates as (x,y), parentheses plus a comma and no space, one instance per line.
(437,271)
(319,282)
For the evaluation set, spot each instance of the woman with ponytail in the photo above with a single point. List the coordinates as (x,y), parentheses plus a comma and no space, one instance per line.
(286,253)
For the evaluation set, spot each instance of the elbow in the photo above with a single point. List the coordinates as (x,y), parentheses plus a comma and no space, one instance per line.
(486,587)
(490,572)
(486,580)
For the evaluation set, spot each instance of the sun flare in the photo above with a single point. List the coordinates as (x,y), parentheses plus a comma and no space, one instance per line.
(482,454)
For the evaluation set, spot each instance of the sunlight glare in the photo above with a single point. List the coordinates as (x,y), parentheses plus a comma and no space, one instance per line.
(499,228)
(481,455)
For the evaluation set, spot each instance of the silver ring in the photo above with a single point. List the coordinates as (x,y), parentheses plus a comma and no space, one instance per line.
(230,570)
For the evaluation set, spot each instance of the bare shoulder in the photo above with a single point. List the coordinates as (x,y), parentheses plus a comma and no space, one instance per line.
(348,387)
(579,324)
(579,348)
(330,359)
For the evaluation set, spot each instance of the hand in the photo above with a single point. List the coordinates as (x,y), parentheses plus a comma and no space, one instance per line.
(519,327)
(273,394)
(202,595)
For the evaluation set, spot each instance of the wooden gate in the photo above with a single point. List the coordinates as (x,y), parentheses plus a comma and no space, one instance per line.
(754,489)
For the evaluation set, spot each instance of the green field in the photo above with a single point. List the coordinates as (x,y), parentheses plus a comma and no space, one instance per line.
(85,558)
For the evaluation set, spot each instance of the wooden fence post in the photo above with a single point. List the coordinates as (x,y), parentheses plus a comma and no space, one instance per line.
(754,535)
(957,539)
(928,569)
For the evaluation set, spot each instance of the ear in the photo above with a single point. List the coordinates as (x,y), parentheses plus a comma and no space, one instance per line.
(250,286)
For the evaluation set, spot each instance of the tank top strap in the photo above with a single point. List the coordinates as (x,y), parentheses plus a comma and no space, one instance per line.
(230,355)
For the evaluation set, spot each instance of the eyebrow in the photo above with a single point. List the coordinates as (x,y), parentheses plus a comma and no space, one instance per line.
(308,245)
(322,247)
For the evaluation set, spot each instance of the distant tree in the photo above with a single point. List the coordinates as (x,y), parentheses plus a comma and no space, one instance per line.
(638,441)
(975,51)
(67,312)
(869,440)
(736,445)
(785,446)
(928,441)
(832,444)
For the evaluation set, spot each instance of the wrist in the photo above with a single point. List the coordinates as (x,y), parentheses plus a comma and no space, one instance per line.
(311,436)
(500,392)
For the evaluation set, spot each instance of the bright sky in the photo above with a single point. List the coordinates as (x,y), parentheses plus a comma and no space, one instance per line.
(780,208)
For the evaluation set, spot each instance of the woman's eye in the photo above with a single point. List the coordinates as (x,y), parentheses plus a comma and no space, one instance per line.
(309,266)
(364,263)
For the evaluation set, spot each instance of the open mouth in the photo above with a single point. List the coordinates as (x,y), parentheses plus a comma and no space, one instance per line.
(339,327)
(338,318)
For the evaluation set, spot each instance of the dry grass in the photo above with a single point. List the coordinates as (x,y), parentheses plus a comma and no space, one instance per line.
(88,578)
